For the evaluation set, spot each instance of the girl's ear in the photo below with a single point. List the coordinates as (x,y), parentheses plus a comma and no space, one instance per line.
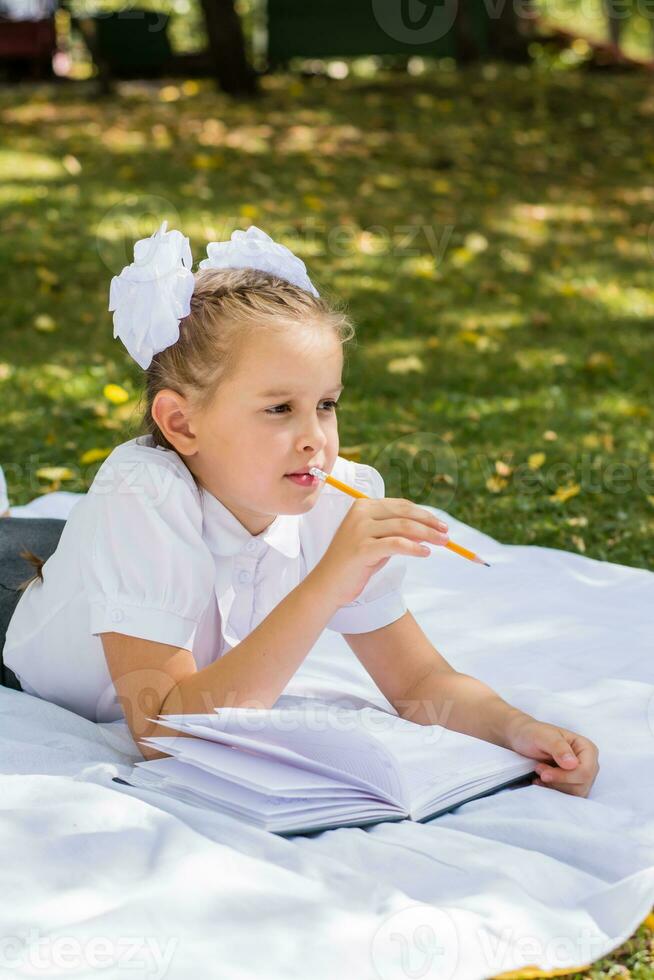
(171,412)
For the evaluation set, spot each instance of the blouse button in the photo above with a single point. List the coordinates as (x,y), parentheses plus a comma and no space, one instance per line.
(251,545)
(117,615)
(244,576)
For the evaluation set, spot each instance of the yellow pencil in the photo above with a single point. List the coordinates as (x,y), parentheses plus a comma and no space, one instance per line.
(457,548)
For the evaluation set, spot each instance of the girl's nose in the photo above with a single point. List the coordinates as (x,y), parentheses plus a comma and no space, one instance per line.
(313,438)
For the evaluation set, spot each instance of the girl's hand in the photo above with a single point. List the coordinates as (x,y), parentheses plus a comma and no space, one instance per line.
(370,533)
(574,757)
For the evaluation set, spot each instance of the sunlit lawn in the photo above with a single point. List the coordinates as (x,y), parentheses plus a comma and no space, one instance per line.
(490,231)
(587,18)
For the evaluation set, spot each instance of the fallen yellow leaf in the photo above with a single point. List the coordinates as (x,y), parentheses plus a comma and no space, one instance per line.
(536,460)
(590,440)
(496,484)
(72,165)
(441,186)
(44,323)
(476,242)
(203,161)
(565,493)
(351,452)
(115,394)
(600,361)
(47,275)
(313,202)
(461,256)
(402,365)
(93,455)
(55,473)
(169,93)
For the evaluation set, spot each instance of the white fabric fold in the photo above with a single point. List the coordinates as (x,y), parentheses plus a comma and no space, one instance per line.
(528,876)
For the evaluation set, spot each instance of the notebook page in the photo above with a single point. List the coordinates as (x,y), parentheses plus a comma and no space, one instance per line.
(155,769)
(338,740)
(433,759)
(176,773)
(333,734)
(276,752)
(190,781)
(246,768)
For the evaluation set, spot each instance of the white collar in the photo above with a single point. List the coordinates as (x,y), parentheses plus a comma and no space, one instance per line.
(226,536)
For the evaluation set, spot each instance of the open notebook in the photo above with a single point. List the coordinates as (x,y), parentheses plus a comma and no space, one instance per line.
(311,768)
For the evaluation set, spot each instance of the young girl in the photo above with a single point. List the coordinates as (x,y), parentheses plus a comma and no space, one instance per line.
(204,562)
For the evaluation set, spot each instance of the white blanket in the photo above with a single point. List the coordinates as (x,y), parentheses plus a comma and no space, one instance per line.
(103,876)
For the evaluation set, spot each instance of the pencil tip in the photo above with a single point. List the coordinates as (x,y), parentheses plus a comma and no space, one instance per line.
(487,564)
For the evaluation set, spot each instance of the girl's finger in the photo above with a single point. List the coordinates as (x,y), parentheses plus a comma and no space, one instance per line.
(399,507)
(407,528)
(394,546)
(565,784)
(587,755)
(583,748)
(560,749)
(576,789)
(552,776)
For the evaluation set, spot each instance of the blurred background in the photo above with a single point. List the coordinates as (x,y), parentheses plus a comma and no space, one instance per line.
(475,183)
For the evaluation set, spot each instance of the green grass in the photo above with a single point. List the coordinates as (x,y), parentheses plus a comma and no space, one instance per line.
(587,18)
(490,230)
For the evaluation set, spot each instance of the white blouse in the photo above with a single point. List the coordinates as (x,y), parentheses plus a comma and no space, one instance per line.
(148,553)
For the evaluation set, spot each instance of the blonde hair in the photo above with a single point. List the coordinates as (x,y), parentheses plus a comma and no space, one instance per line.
(228,307)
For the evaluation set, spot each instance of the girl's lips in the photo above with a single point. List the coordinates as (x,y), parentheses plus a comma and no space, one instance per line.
(303,479)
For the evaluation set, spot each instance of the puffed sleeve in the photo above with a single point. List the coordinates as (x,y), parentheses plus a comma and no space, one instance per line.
(381,602)
(147,569)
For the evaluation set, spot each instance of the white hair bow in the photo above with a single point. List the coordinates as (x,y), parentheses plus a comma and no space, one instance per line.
(254,249)
(153,293)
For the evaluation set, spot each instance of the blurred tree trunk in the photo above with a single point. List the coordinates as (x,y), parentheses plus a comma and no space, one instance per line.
(507,27)
(510,28)
(227,46)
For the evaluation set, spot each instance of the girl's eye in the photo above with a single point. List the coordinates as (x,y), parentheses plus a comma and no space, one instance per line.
(330,402)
